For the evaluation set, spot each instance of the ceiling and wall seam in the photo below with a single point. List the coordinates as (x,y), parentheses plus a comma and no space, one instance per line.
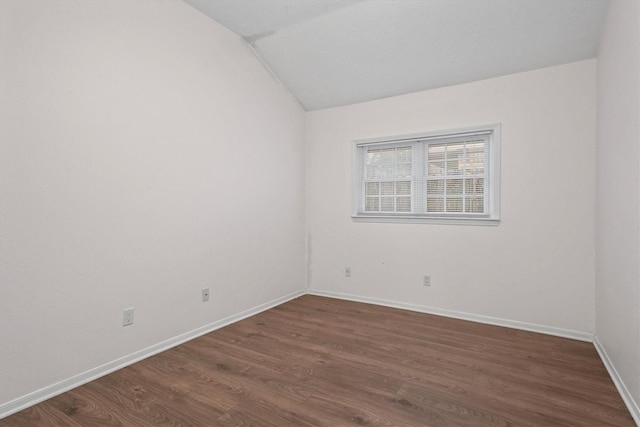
(332,53)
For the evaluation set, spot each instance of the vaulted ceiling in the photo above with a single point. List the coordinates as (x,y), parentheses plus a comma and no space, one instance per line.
(337,52)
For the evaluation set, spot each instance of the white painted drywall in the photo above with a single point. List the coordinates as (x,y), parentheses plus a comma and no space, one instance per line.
(536,267)
(377,48)
(145,153)
(618,193)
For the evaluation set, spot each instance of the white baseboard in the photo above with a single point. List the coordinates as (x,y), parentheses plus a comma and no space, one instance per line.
(48,392)
(565,333)
(632,405)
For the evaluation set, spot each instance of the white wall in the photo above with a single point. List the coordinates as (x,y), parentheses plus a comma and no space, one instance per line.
(145,153)
(536,267)
(129,132)
(618,193)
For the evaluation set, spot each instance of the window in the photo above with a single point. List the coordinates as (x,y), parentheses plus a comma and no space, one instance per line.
(443,177)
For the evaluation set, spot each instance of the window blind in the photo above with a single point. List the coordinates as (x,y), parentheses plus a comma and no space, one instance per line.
(443,175)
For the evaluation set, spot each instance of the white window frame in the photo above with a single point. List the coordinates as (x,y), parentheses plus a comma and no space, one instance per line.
(492,188)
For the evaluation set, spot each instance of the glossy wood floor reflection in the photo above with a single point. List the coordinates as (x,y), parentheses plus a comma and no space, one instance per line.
(323,362)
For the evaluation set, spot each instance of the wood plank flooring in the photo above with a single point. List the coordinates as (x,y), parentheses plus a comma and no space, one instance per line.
(324,362)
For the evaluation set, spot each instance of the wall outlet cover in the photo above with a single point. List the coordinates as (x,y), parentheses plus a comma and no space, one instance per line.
(127,316)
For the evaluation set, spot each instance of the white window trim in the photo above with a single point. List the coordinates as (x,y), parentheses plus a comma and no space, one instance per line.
(493,217)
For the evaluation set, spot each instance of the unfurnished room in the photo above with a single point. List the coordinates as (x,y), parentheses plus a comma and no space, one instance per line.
(320,213)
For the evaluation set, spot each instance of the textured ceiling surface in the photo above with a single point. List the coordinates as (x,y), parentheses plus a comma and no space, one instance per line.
(337,52)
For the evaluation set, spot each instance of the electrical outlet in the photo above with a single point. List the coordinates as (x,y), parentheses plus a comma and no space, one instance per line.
(127,317)
(347,271)
(426,281)
(205,294)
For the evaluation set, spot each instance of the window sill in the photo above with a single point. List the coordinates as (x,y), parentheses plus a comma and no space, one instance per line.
(426,220)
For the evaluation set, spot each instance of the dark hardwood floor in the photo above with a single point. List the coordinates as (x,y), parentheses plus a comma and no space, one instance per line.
(324,362)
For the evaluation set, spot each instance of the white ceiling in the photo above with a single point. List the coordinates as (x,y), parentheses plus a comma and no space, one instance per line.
(337,52)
